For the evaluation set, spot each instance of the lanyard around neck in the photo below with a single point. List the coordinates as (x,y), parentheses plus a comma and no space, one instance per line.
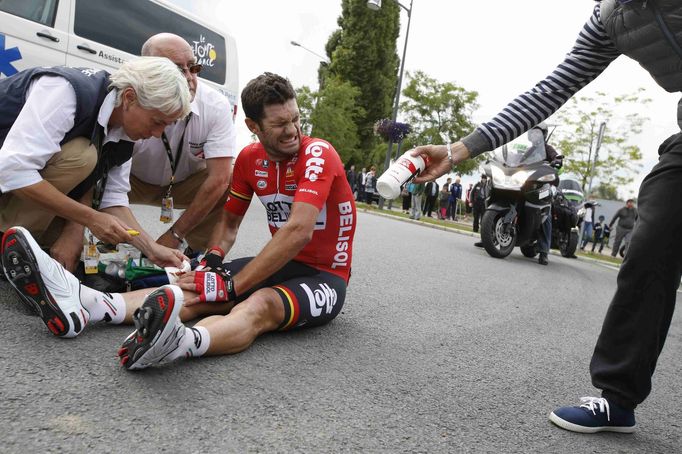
(174,160)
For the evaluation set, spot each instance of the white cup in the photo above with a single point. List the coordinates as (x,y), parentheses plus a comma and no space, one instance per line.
(401,171)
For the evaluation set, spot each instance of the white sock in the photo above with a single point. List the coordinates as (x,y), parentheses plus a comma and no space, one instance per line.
(103,306)
(194,343)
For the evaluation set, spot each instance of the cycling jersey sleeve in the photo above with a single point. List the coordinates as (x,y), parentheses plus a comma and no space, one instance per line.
(240,193)
(321,166)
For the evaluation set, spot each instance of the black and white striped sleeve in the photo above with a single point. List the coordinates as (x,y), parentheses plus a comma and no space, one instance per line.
(591,54)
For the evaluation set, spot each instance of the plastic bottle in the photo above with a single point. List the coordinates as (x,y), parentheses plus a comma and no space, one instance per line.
(400,173)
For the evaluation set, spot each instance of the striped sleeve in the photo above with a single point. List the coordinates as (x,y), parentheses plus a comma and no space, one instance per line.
(592,53)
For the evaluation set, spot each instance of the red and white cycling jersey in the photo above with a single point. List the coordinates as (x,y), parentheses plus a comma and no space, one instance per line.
(315,176)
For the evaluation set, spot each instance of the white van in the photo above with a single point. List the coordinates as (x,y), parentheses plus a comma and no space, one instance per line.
(105,33)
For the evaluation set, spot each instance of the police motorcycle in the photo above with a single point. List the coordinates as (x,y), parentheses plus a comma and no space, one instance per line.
(567,217)
(521,185)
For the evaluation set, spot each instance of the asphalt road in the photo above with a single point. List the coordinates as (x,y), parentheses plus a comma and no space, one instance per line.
(439,348)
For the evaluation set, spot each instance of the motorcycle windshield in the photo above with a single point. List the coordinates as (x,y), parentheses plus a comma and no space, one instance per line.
(522,151)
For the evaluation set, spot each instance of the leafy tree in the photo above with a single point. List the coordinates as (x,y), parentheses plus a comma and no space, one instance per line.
(605,191)
(363,53)
(305,98)
(438,112)
(576,138)
(335,118)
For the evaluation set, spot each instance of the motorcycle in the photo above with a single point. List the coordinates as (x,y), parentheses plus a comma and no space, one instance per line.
(521,185)
(565,217)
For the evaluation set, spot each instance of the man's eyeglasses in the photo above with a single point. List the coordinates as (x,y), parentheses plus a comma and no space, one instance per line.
(193,69)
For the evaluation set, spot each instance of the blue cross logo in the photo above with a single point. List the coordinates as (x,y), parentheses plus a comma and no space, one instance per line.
(7,56)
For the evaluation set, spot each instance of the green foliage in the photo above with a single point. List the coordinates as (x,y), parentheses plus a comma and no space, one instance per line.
(438,112)
(605,191)
(305,98)
(335,117)
(363,53)
(576,138)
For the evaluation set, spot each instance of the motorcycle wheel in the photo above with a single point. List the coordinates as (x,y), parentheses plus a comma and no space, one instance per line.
(568,247)
(496,242)
(529,251)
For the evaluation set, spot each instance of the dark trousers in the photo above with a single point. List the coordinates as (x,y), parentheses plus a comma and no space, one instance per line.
(479,209)
(429,205)
(621,234)
(638,318)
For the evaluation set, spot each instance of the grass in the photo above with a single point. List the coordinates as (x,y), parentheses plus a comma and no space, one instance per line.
(605,257)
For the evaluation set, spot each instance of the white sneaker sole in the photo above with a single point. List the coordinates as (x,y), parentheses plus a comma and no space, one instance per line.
(588,430)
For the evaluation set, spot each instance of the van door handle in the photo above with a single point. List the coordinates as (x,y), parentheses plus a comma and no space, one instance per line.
(86,49)
(48,36)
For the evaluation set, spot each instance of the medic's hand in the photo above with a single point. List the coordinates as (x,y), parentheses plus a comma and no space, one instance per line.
(437,162)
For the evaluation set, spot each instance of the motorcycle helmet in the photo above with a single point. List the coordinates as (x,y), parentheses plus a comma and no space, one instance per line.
(542,126)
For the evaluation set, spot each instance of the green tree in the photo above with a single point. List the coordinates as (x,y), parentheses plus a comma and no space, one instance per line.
(576,138)
(305,98)
(363,53)
(605,191)
(438,112)
(335,118)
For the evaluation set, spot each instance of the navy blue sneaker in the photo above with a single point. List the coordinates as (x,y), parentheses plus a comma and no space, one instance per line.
(595,414)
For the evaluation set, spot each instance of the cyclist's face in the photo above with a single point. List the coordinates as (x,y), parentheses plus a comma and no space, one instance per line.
(279,130)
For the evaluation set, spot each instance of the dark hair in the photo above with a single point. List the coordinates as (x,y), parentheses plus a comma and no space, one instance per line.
(629,200)
(264,90)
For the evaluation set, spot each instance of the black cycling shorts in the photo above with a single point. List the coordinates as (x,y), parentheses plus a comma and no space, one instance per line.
(310,297)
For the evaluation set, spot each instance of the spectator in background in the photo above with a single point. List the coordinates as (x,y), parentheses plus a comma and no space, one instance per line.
(599,234)
(370,185)
(587,223)
(444,199)
(468,206)
(407,198)
(478,195)
(351,177)
(626,217)
(431,194)
(455,195)
(417,191)
(360,185)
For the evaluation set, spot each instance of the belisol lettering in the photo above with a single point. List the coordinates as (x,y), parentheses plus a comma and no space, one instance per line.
(278,212)
(313,166)
(343,240)
(323,298)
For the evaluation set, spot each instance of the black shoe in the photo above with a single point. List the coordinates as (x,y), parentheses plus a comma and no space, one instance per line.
(622,252)
(479,244)
(542,259)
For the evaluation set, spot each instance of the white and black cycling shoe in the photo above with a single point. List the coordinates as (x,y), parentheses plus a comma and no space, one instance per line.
(43,284)
(159,330)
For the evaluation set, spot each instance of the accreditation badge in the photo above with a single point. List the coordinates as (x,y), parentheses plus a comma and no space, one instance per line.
(166,210)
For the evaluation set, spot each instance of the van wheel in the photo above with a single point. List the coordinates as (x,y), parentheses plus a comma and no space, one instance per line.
(496,241)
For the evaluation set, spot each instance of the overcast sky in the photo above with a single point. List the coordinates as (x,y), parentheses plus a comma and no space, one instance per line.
(498,48)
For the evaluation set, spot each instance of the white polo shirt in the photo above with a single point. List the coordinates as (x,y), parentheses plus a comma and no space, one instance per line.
(47,115)
(210,134)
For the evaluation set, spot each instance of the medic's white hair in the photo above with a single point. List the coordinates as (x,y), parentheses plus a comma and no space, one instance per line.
(158,84)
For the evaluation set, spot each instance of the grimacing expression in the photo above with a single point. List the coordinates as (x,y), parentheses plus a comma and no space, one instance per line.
(279,130)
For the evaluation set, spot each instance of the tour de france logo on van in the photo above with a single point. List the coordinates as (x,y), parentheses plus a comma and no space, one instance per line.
(205,52)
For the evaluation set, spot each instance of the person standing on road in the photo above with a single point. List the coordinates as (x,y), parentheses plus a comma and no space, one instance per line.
(637,321)
(351,177)
(297,280)
(455,195)
(66,139)
(360,185)
(626,217)
(444,199)
(478,195)
(588,223)
(599,234)
(417,191)
(370,185)
(191,163)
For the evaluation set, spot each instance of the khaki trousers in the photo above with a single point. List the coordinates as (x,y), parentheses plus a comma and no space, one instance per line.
(183,194)
(65,170)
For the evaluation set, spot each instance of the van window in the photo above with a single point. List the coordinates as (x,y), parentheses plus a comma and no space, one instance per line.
(127,24)
(41,11)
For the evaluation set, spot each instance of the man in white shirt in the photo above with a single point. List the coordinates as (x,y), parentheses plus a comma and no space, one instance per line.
(200,166)
(64,131)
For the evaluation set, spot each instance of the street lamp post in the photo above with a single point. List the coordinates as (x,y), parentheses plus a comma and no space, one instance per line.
(376,5)
(322,59)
